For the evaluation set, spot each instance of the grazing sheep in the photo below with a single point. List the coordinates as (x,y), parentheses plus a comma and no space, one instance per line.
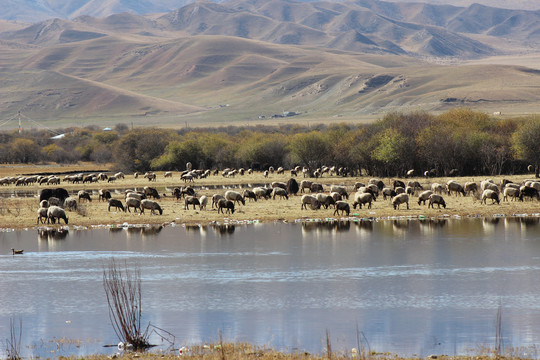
(410,173)
(119,175)
(84,195)
(150,192)
(388,192)
(342,206)
(104,195)
(454,186)
(491,186)
(187,177)
(133,203)
(44,204)
(436,199)
(42,215)
(469,187)
(409,190)
(362,199)
(56,213)
(152,206)
(342,190)
(424,196)
(377,182)
(325,200)
(70,204)
(437,188)
(305,184)
(336,196)
(310,200)
(282,193)
(116,204)
(191,200)
(400,199)
(135,195)
(225,204)
(167,174)
(111,179)
(279,184)
(216,198)
(358,185)
(316,187)
(490,194)
(398,183)
(150,176)
(235,197)
(261,192)
(55,201)
(399,190)
(203,201)
(369,190)
(513,193)
(415,185)
(249,194)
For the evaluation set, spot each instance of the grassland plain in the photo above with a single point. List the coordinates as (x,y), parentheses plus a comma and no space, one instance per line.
(19,205)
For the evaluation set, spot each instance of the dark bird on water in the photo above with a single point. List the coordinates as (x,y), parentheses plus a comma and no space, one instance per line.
(16,251)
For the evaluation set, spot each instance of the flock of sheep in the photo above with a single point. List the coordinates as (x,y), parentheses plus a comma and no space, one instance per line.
(55,202)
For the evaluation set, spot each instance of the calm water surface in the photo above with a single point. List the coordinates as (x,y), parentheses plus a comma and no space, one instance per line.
(410,287)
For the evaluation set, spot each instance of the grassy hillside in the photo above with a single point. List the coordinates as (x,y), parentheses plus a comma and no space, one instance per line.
(210,63)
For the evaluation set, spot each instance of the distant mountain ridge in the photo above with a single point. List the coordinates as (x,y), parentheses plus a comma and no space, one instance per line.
(39,10)
(322,58)
(372,26)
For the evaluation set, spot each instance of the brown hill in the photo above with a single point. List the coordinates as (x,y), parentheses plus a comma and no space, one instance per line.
(220,62)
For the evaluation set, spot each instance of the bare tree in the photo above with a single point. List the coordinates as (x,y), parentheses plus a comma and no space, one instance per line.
(123,291)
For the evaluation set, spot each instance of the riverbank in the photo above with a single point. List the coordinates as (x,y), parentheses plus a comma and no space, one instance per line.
(19,204)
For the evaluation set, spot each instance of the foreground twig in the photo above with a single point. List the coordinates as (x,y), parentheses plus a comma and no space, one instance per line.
(123,291)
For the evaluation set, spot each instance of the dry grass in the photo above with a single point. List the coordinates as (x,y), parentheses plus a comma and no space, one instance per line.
(20,212)
(244,351)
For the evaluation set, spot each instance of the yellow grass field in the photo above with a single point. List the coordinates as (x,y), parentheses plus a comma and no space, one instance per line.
(21,211)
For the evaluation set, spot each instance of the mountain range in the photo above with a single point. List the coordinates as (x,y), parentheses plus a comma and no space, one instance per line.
(244,60)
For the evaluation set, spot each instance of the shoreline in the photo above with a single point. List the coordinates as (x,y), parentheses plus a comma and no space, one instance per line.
(18,213)
(246,222)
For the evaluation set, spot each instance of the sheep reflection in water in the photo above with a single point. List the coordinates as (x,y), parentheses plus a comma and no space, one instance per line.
(52,234)
(326,226)
(224,229)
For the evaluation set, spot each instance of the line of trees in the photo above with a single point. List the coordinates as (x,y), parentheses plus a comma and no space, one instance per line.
(470,142)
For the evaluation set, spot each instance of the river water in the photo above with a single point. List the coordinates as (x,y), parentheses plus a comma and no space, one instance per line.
(407,286)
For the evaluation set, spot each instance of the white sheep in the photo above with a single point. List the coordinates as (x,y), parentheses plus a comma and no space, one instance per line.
(490,194)
(311,201)
(361,198)
(424,196)
(278,191)
(70,203)
(325,200)
(56,213)
(216,198)
(400,199)
(235,196)
(42,215)
(203,201)
(512,192)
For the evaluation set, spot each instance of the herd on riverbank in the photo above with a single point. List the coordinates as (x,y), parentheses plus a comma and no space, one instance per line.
(314,194)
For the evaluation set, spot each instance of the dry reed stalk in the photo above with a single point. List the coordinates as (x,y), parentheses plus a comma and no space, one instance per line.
(123,291)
